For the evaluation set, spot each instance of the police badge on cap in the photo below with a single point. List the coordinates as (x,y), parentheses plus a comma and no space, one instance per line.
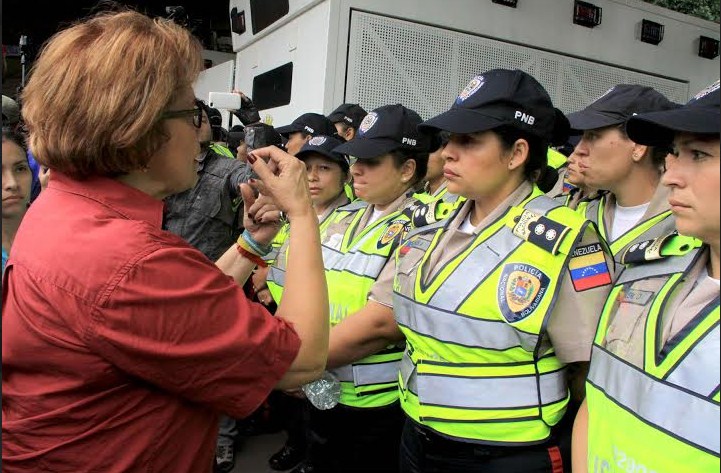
(472,87)
(368,122)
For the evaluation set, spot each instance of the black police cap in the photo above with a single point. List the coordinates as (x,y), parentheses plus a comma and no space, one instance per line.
(314,124)
(699,116)
(386,129)
(324,145)
(619,104)
(351,114)
(502,97)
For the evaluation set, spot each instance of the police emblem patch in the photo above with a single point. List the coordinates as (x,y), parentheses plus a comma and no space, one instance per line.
(472,87)
(317,141)
(368,123)
(395,230)
(521,289)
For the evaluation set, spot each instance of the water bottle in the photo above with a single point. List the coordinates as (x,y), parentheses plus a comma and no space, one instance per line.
(324,392)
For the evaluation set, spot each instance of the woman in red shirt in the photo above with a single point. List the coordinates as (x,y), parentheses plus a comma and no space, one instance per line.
(121,343)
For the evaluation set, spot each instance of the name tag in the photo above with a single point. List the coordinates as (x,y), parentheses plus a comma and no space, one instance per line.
(636,296)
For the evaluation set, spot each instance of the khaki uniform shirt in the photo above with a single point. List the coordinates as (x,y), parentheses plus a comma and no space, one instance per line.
(659,204)
(626,332)
(572,325)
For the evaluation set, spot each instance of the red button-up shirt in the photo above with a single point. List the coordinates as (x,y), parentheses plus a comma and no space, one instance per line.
(121,343)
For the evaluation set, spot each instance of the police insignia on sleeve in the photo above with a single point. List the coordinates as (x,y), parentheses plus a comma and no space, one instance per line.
(394,232)
(521,290)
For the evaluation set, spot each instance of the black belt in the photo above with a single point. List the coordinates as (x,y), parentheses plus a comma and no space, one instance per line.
(436,443)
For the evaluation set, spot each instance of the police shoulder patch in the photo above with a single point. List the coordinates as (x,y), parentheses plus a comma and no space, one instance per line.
(394,232)
(521,289)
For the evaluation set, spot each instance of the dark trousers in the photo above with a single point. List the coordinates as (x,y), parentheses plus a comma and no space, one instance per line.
(423,451)
(349,440)
(292,413)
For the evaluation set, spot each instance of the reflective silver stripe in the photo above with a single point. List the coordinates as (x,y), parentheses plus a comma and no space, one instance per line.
(699,371)
(272,255)
(369,374)
(277,276)
(353,206)
(376,373)
(343,373)
(459,329)
(592,210)
(426,229)
(542,204)
(479,263)
(676,264)
(491,393)
(682,414)
(450,198)
(660,228)
(354,262)
(408,373)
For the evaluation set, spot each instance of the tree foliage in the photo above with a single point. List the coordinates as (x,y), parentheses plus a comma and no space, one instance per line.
(707,9)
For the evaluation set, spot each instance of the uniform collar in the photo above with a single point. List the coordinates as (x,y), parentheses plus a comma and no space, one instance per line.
(516,198)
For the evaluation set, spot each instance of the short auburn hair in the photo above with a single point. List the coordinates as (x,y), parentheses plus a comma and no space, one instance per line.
(93,104)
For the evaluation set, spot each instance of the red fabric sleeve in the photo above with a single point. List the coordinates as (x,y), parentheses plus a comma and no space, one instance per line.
(176,321)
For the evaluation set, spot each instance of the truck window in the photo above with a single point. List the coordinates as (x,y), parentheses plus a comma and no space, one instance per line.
(264,13)
(272,89)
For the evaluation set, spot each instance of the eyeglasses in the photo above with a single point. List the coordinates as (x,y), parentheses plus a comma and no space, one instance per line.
(196,113)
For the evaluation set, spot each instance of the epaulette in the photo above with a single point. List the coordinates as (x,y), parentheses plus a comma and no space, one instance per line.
(672,244)
(422,214)
(540,230)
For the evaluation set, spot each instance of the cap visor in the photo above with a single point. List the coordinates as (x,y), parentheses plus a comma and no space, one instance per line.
(288,129)
(462,121)
(659,128)
(367,148)
(591,120)
(302,154)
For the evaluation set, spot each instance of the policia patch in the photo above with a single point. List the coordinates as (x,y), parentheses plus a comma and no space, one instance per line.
(395,231)
(521,290)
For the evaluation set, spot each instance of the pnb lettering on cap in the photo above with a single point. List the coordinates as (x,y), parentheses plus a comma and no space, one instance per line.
(409,141)
(525,118)
(309,129)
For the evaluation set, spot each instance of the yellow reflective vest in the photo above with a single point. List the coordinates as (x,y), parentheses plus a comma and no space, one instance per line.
(478,365)
(352,265)
(653,227)
(664,417)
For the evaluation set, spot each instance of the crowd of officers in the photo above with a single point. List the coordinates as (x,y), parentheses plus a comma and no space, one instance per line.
(471,269)
(493,307)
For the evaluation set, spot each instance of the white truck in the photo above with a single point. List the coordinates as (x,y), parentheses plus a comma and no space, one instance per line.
(297,56)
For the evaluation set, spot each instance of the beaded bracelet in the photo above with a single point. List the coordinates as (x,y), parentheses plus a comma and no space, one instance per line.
(255,247)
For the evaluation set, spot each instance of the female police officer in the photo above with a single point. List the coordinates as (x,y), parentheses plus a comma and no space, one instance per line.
(634,209)
(497,298)
(653,388)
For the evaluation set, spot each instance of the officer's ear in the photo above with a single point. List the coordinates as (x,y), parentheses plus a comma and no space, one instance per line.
(408,170)
(639,152)
(519,154)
